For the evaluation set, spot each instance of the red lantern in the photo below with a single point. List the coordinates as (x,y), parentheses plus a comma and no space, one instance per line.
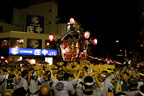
(71,20)
(51,37)
(65,45)
(95,41)
(86,34)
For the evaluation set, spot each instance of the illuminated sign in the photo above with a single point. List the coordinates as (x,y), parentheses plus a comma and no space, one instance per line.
(34,24)
(32,52)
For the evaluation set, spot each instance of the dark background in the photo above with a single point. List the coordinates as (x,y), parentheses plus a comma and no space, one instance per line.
(107,20)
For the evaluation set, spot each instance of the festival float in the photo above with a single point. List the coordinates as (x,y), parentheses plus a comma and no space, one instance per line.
(74,44)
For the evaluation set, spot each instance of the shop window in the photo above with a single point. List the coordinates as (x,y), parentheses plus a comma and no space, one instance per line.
(5,43)
(49,60)
(1,29)
(4,46)
(17,42)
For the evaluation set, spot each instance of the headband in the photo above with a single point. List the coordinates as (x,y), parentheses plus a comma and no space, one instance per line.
(89,84)
(103,75)
(60,75)
(141,74)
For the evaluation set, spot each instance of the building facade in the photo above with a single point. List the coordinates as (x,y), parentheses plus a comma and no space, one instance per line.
(48,10)
(30,29)
(26,42)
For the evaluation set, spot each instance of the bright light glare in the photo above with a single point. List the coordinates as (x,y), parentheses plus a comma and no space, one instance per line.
(117,41)
(87,34)
(51,37)
(49,60)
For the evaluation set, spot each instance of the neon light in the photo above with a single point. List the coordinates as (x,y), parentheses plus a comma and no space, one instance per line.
(32,52)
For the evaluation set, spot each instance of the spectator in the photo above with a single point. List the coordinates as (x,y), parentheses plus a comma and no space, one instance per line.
(47,79)
(140,82)
(124,83)
(20,81)
(62,88)
(141,90)
(133,83)
(87,88)
(8,84)
(19,92)
(121,94)
(33,84)
(101,82)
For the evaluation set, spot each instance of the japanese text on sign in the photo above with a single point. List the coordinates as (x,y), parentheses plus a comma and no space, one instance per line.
(30,51)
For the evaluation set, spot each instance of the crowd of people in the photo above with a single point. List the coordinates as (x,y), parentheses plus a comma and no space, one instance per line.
(71,79)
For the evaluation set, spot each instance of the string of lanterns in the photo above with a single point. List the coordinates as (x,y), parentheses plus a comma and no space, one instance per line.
(106,60)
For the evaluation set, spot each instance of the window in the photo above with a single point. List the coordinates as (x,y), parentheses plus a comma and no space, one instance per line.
(49,22)
(49,60)
(1,29)
(34,43)
(17,42)
(4,46)
(50,10)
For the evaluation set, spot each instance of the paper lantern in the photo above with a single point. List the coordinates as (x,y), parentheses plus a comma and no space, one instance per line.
(71,20)
(95,41)
(51,37)
(86,34)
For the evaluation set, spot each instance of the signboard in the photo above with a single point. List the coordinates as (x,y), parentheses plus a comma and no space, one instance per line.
(34,43)
(32,52)
(34,24)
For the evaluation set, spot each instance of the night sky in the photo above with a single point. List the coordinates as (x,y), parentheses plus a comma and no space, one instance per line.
(103,16)
(107,20)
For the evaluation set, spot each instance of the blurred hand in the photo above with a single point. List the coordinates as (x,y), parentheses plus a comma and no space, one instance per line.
(80,68)
(119,77)
(110,94)
(85,74)
(95,74)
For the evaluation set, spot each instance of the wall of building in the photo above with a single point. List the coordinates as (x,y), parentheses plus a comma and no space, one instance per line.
(62,29)
(8,27)
(26,36)
(15,35)
(48,9)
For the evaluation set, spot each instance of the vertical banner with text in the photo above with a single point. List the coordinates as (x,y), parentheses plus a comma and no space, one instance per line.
(34,24)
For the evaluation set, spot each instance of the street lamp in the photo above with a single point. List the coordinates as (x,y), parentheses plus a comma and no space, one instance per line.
(141,45)
(117,41)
